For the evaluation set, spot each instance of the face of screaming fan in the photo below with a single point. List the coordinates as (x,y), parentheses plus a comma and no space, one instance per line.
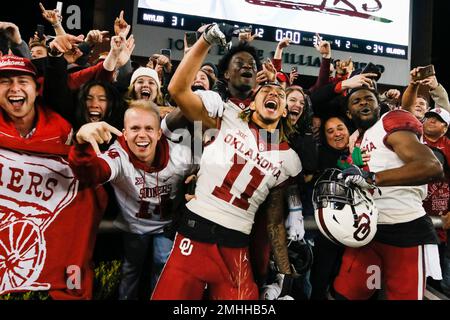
(145,88)
(96,103)
(18,93)
(142,132)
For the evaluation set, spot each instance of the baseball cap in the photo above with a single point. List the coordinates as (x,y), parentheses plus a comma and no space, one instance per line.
(143,71)
(442,114)
(10,63)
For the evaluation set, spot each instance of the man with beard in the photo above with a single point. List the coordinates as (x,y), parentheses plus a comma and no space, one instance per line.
(401,166)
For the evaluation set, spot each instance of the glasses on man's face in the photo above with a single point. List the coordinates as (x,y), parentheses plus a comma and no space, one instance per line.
(241,63)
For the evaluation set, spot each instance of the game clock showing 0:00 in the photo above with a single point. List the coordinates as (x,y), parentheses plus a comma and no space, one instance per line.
(268,33)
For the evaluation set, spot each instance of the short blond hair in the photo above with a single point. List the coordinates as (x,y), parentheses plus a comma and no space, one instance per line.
(145,105)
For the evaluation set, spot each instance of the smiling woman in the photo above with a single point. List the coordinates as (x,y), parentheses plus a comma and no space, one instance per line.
(145,84)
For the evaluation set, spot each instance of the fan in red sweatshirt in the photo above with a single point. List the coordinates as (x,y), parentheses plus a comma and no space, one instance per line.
(48,219)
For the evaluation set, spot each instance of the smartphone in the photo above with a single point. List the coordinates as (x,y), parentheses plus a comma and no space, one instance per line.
(425,72)
(166,52)
(59,6)
(191,38)
(371,68)
(40,29)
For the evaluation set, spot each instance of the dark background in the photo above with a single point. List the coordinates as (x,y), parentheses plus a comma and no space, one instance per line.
(429,43)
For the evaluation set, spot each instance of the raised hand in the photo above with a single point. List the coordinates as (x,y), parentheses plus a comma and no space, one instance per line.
(267,74)
(293,76)
(11,31)
(430,82)
(127,49)
(65,43)
(219,34)
(96,36)
(247,36)
(120,25)
(360,80)
(284,43)
(52,16)
(323,47)
(96,133)
(344,66)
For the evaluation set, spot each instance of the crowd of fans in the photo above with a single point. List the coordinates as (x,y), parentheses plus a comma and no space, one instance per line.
(85,136)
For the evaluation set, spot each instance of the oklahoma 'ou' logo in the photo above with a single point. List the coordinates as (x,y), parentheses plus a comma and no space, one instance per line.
(363,230)
(33,191)
(185,247)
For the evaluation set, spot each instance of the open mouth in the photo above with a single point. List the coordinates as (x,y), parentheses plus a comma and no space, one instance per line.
(17,102)
(418,109)
(95,116)
(365,111)
(143,145)
(145,94)
(271,105)
(247,74)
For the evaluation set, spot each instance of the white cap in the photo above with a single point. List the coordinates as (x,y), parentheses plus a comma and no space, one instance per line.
(443,114)
(145,72)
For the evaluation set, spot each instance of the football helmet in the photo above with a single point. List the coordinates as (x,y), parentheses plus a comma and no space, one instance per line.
(345,214)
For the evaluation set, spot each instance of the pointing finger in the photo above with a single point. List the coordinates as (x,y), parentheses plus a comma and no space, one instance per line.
(94,145)
(112,129)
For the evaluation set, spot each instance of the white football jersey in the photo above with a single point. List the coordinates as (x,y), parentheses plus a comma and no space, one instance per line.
(238,170)
(395,204)
(145,196)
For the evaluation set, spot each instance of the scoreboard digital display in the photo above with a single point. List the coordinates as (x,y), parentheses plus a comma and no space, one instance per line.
(373,27)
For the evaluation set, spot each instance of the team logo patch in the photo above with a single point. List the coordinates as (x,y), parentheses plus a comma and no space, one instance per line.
(33,191)
(186,247)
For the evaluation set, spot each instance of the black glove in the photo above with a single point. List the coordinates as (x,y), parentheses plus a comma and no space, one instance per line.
(219,34)
(359,177)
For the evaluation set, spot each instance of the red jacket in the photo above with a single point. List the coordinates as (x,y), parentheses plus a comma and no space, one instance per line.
(48,219)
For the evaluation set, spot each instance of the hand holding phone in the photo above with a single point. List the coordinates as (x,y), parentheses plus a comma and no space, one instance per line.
(191,38)
(424,72)
(40,31)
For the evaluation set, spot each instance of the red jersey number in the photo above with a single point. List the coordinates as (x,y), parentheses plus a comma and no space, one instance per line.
(224,191)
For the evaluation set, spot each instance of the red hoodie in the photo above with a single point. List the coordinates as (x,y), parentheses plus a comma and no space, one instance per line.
(48,219)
